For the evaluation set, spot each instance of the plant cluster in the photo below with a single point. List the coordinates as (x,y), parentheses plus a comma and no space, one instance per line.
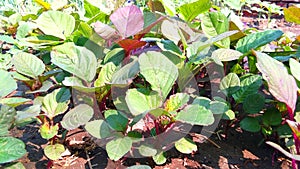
(140,76)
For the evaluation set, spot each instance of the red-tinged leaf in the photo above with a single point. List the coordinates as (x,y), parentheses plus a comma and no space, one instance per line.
(131,44)
(281,85)
(128,20)
(295,126)
(106,32)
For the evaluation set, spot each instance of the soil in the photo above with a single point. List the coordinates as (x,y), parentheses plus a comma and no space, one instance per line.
(239,150)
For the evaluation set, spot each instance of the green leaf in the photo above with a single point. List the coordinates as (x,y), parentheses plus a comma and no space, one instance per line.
(169,6)
(7,115)
(76,60)
(250,124)
(295,68)
(55,151)
(167,45)
(105,75)
(11,149)
(28,64)
(126,74)
(272,117)
(116,56)
(216,23)
(255,40)
(14,101)
(291,14)
(90,10)
(99,129)
(228,115)
(78,116)
(116,120)
(196,115)
(176,101)
(139,167)
(56,102)
(217,107)
(56,23)
(159,71)
(186,146)
(24,29)
(250,107)
(249,85)
(202,101)
(147,150)
(7,39)
(225,55)
(230,84)
(7,85)
(139,101)
(190,11)
(117,148)
(5,61)
(27,114)
(47,131)
(160,158)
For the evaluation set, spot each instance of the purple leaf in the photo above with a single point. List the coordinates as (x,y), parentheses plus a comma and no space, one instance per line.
(281,85)
(128,20)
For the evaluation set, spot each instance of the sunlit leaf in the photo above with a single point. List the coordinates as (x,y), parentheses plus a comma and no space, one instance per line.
(191,10)
(186,146)
(295,68)
(99,129)
(118,148)
(281,84)
(196,115)
(291,14)
(54,151)
(11,149)
(8,84)
(128,20)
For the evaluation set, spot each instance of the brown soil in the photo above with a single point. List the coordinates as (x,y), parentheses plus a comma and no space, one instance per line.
(238,150)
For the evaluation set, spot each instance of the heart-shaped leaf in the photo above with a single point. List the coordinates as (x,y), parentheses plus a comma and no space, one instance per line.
(54,151)
(76,60)
(56,23)
(250,124)
(56,102)
(11,149)
(272,117)
(7,85)
(128,20)
(230,83)
(139,101)
(28,64)
(118,148)
(281,84)
(159,71)
(125,75)
(80,115)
